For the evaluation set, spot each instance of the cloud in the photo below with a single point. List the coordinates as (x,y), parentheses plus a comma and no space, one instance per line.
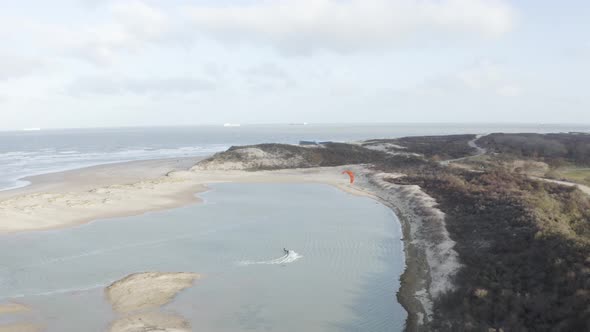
(306,26)
(99,36)
(267,71)
(483,78)
(509,90)
(268,76)
(126,86)
(12,67)
(131,26)
(488,76)
(214,69)
(118,28)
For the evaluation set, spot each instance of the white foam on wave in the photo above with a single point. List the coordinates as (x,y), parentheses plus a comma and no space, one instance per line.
(291,257)
(15,165)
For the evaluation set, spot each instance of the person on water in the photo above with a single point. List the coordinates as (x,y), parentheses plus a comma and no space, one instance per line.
(286,251)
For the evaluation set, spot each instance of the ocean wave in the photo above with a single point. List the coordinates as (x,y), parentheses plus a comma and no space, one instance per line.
(15,165)
(291,257)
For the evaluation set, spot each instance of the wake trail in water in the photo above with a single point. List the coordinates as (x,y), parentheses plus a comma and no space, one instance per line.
(97,252)
(101,251)
(291,257)
(54,291)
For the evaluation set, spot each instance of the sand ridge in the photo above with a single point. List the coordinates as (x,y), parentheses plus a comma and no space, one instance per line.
(151,321)
(12,309)
(20,327)
(138,297)
(147,290)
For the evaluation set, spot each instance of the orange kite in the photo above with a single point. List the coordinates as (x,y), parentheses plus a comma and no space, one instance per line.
(350,174)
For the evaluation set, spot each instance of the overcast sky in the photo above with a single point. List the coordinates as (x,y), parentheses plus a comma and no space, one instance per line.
(95,63)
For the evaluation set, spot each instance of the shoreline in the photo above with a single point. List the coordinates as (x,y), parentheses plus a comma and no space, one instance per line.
(131,188)
(30,179)
(135,188)
(113,171)
(67,195)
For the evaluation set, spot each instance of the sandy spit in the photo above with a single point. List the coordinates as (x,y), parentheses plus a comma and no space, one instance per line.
(151,321)
(20,327)
(76,197)
(147,290)
(139,296)
(12,308)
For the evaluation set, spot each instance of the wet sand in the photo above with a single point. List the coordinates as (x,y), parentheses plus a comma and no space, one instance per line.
(148,290)
(138,297)
(12,310)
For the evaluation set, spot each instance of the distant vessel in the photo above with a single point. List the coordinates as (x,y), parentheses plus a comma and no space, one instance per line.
(31,129)
(231,124)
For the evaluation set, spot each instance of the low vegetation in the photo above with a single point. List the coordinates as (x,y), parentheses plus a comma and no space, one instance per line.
(280,156)
(434,147)
(524,245)
(554,149)
(572,174)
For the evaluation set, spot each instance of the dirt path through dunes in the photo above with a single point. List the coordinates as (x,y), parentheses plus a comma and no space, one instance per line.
(479,151)
(582,187)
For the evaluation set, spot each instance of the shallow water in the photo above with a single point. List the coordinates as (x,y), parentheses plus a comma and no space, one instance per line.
(341,273)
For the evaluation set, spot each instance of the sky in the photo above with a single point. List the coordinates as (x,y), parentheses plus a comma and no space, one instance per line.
(101,63)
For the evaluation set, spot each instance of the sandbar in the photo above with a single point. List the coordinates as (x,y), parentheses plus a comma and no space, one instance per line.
(118,190)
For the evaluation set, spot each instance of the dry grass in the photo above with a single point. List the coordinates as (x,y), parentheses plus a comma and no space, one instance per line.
(573,174)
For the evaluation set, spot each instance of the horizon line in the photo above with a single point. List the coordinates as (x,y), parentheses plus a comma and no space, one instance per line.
(298,124)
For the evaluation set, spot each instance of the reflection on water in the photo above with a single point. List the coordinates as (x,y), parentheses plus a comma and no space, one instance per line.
(340,270)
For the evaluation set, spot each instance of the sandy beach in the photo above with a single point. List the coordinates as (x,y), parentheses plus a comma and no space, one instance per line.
(74,197)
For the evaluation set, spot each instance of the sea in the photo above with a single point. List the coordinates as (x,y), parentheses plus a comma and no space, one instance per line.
(33,152)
